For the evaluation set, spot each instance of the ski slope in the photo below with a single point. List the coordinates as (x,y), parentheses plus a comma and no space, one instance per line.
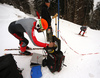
(82,54)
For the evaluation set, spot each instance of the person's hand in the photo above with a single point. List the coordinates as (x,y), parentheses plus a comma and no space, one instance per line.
(51,48)
(51,44)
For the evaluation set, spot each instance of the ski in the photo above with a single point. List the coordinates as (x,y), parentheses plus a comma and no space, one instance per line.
(27,49)
(19,54)
(81,35)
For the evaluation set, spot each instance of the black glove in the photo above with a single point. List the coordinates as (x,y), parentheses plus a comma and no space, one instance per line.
(50,49)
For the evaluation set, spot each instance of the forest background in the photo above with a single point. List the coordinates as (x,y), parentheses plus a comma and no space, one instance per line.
(77,11)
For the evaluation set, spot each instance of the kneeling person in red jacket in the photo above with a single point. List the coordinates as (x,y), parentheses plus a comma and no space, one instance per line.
(17,29)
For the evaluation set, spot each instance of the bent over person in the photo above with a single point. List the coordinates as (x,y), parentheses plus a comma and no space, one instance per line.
(28,25)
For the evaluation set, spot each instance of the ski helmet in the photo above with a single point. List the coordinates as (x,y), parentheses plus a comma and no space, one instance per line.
(43,24)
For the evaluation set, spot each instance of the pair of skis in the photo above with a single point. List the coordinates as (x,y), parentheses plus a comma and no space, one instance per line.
(81,35)
(19,49)
(27,49)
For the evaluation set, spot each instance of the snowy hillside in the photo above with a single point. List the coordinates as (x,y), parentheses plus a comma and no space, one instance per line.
(82,54)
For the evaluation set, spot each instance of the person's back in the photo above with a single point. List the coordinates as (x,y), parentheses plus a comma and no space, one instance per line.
(83,28)
(26,23)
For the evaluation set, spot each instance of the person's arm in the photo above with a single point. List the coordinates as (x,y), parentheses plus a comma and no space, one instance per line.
(35,41)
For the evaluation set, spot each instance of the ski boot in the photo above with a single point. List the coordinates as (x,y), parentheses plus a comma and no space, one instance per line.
(25,53)
(82,34)
(79,34)
(28,47)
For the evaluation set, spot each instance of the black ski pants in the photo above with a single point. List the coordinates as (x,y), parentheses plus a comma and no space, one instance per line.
(18,31)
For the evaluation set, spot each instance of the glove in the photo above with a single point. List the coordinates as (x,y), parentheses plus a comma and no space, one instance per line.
(49,49)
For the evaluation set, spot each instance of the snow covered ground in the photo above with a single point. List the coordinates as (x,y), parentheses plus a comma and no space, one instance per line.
(82,54)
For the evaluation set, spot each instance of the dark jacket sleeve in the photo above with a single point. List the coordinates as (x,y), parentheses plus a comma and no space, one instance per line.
(45,14)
